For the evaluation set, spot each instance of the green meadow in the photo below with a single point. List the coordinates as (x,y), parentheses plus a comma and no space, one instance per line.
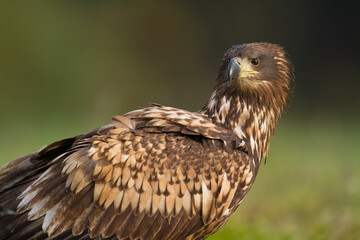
(309,187)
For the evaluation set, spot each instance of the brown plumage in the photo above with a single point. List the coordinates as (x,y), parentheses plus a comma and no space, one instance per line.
(157,172)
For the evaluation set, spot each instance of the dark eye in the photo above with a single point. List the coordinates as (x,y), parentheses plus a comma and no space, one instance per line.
(255,61)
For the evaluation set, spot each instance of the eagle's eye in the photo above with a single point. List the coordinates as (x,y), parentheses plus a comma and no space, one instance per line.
(255,61)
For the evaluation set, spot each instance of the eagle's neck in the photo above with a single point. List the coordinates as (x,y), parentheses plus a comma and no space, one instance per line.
(251,121)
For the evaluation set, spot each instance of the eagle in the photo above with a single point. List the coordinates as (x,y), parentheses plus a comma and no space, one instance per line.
(158,172)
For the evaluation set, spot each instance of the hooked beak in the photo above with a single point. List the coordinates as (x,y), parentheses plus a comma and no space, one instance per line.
(234,68)
(238,70)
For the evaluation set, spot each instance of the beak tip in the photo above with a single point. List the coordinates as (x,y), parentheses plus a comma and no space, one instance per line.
(233,68)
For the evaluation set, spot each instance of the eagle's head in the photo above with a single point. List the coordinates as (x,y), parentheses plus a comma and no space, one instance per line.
(258,72)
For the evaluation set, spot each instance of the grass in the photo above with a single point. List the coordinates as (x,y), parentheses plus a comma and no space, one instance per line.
(308,189)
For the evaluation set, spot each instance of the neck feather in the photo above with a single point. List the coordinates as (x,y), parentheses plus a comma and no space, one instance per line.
(252,121)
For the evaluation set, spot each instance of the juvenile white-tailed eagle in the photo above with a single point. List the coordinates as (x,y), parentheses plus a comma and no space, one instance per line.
(158,172)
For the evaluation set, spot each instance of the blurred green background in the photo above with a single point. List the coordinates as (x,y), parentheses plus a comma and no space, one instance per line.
(66,67)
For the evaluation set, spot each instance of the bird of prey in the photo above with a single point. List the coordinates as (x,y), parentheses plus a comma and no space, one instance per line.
(157,172)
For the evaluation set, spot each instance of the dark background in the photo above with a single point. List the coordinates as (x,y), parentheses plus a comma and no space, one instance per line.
(66,67)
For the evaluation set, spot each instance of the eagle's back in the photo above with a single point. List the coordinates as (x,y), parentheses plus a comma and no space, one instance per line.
(150,175)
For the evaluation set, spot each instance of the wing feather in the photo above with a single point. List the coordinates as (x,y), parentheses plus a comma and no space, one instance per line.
(167,119)
(132,176)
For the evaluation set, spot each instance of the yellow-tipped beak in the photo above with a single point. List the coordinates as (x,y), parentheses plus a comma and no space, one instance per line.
(238,70)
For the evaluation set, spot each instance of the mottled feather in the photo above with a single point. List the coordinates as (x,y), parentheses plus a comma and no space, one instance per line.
(153,173)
